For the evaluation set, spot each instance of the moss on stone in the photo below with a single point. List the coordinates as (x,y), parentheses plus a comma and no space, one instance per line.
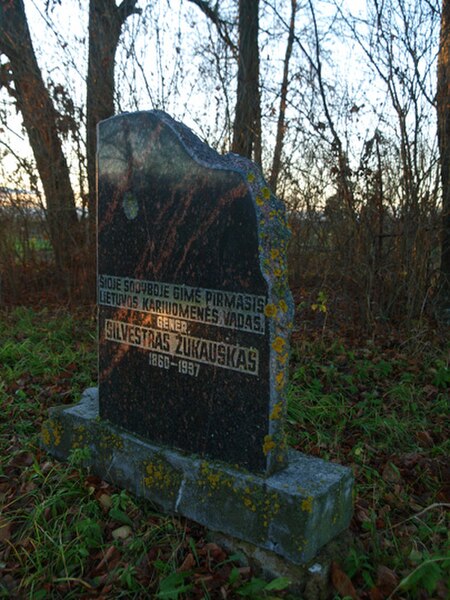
(264,504)
(277,411)
(307,504)
(110,441)
(160,475)
(51,433)
(268,445)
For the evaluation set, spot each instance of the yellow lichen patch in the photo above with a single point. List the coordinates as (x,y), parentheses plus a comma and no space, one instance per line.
(265,192)
(45,434)
(51,433)
(270,310)
(307,504)
(274,254)
(161,476)
(259,201)
(272,504)
(79,437)
(250,497)
(270,508)
(283,306)
(268,445)
(277,272)
(279,379)
(278,344)
(57,433)
(276,411)
(250,177)
(213,480)
(282,358)
(249,504)
(111,440)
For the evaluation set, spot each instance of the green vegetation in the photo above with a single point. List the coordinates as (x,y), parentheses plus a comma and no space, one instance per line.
(380,406)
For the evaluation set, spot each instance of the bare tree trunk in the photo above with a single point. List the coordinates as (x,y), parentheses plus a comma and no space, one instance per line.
(281,127)
(105,25)
(443,111)
(247,121)
(39,117)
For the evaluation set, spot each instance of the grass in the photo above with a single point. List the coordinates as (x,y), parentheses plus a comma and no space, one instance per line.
(64,533)
(379,406)
(383,411)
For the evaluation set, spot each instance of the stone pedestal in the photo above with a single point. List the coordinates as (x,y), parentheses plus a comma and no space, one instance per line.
(293,512)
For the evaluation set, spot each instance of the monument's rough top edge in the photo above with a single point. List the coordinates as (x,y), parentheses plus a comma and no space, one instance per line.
(193,144)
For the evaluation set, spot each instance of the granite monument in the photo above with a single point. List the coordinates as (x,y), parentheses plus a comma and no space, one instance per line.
(195,315)
(194,306)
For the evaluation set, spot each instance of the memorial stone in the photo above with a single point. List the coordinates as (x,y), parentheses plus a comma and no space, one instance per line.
(195,315)
(194,303)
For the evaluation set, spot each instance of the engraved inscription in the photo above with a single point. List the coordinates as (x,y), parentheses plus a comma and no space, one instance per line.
(230,310)
(163,361)
(185,347)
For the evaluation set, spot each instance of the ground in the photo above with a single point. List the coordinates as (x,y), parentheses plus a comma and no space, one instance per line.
(375,399)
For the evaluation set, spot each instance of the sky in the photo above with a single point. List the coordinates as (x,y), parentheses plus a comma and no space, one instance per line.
(172,42)
(60,41)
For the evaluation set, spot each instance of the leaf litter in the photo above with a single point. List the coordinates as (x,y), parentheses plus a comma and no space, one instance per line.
(64,531)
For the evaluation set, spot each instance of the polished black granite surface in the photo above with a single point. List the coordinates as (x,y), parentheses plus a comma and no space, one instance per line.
(194,309)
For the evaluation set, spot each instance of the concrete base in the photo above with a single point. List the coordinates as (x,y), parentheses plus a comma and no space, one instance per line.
(309,581)
(292,513)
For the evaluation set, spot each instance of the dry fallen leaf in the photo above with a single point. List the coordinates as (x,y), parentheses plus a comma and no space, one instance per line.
(121,533)
(387,580)
(105,501)
(424,438)
(363,516)
(390,473)
(111,554)
(376,594)
(5,530)
(214,551)
(23,459)
(187,563)
(341,582)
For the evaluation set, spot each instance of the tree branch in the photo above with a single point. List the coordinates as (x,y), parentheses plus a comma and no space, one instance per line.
(127,8)
(220,24)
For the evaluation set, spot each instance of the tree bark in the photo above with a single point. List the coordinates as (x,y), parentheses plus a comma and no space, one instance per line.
(247,120)
(105,25)
(443,112)
(39,117)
